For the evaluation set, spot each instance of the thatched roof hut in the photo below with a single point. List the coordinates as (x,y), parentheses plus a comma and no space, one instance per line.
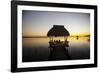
(58,30)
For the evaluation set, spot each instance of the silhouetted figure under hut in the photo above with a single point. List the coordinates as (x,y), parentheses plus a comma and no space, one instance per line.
(58,48)
(77,37)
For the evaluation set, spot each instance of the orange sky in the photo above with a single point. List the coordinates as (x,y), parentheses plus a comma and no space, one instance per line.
(44,34)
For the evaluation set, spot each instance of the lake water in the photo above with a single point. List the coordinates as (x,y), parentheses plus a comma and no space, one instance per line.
(37,49)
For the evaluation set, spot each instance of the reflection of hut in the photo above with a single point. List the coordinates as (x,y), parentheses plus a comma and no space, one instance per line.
(58,31)
(58,46)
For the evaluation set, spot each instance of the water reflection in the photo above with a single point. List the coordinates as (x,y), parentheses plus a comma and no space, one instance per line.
(38,49)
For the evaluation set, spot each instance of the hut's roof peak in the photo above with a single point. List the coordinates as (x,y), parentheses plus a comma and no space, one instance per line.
(58,25)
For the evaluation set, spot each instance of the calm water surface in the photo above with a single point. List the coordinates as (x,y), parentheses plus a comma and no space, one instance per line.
(37,49)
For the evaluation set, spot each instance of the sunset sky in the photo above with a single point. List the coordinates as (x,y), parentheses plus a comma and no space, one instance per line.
(38,23)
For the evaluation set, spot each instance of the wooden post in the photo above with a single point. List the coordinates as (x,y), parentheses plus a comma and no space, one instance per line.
(52,38)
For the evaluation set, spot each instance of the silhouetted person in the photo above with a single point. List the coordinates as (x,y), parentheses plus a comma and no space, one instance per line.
(77,37)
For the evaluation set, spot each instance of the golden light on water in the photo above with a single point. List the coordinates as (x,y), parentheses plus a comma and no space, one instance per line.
(72,38)
(44,41)
(79,39)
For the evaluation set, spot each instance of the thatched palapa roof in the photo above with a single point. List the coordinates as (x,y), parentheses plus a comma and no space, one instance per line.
(58,30)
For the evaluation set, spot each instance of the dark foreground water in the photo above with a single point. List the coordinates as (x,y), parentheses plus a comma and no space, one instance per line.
(37,49)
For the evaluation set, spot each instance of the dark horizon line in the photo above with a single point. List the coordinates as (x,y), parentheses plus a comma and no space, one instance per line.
(47,36)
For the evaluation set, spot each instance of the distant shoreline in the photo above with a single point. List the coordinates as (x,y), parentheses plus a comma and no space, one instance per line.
(47,36)
(34,37)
